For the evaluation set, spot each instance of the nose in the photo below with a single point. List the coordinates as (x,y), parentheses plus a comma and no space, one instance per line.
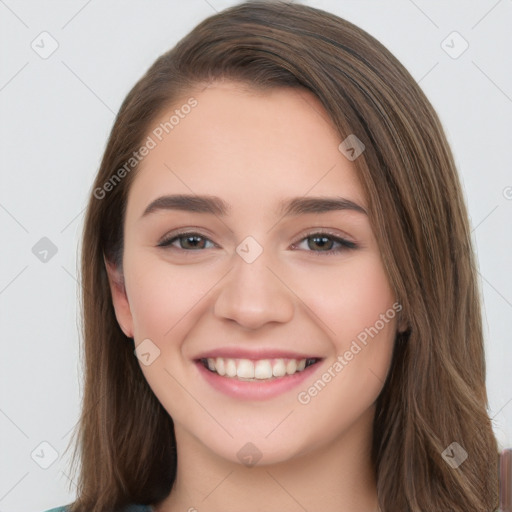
(254,294)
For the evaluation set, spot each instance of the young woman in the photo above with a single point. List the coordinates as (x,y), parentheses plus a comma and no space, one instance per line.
(279,292)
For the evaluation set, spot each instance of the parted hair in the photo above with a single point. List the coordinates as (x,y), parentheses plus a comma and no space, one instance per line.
(434,393)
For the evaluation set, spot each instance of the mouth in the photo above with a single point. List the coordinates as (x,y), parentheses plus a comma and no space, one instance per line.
(259,370)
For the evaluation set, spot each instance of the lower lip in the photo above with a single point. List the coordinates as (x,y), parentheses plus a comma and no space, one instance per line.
(254,390)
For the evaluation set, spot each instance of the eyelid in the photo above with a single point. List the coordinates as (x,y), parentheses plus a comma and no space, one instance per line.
(325,231)
(184,231)
(166,240)
(343,240)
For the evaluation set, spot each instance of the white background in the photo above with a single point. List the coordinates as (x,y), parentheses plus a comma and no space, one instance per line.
(56,114)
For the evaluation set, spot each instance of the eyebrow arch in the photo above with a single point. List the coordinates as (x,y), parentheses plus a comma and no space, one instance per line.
(217,206)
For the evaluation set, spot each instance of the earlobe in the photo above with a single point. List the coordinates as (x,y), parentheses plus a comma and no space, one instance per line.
(402,323)
(119,298)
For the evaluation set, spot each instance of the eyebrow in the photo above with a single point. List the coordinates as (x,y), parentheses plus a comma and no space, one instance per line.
(217,206)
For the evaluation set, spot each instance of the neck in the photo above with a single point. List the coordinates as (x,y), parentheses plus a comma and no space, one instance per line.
(334,477)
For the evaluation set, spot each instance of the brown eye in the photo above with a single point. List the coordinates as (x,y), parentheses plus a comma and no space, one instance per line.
(325,243)
(186,241)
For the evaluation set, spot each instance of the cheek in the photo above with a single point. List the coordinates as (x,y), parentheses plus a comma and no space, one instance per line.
(350,298)
(359,309)
(162,295)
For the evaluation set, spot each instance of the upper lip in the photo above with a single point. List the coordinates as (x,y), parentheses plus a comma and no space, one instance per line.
(244,353)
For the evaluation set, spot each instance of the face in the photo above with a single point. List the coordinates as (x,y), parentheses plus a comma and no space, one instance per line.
(264,316)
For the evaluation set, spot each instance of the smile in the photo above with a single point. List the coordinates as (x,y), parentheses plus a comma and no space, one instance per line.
(256,370)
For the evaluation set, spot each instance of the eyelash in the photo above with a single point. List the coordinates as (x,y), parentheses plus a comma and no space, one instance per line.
(344,244)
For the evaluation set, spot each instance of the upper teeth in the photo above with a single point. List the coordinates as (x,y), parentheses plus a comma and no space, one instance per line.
(260,369)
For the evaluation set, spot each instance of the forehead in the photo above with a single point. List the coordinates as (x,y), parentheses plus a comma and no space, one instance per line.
(249,147)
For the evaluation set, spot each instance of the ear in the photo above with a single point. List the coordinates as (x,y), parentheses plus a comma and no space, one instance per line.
(403,324)
(119,298)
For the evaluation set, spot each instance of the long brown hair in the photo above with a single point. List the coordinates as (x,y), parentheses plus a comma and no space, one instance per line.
(435,392)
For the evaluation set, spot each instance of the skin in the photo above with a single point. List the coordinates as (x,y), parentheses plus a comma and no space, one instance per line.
(315,456)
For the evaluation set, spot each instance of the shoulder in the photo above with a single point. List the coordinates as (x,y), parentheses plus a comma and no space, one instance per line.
(130,508)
